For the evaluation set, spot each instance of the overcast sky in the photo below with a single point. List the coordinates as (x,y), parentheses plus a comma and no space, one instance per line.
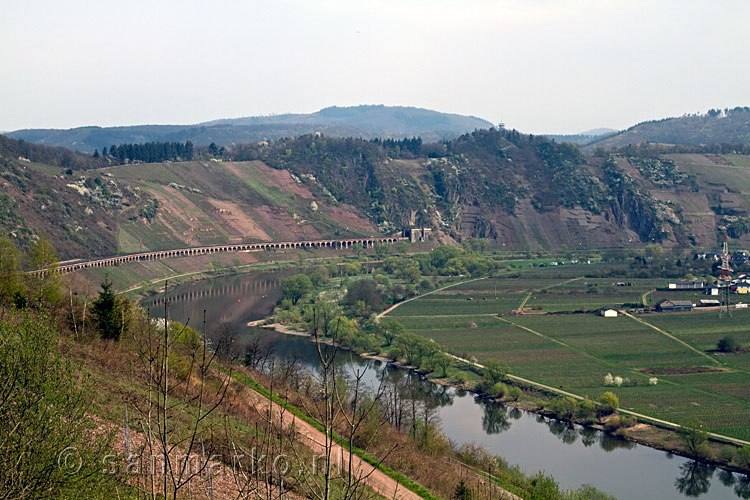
(539,66)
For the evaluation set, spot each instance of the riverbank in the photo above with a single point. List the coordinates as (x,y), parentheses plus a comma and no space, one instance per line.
(645,433)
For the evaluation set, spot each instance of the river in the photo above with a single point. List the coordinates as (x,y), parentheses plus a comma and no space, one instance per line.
(573,455)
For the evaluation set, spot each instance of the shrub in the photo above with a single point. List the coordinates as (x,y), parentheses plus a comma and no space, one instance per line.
(609,401)
(653,381)
(612,424)
(619,423)
(515,393)
(499,390)
(43,412)
(563,406)
(588,492)
(628,421)
(742,457)
(394,353)
(459,377)
(586,411)
(728,344)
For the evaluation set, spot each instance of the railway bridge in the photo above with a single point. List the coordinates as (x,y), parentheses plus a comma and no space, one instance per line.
(213,249)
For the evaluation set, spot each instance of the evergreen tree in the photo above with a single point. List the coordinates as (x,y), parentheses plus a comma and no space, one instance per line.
(108,313)
(96,153)
(462,491)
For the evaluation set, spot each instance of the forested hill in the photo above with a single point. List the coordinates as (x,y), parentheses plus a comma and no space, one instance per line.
(388,121)
(518,191)
(359,121)
(716,126)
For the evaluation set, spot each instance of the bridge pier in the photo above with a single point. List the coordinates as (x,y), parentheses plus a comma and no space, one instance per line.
(209,250)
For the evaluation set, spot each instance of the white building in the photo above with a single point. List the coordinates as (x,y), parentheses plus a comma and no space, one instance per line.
(608,312)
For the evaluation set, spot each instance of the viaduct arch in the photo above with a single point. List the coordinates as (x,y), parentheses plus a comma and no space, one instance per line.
(212,249)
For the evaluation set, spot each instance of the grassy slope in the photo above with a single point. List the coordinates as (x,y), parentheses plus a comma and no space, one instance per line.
(224,203)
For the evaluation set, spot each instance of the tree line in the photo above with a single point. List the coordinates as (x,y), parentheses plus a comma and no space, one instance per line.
(150,152)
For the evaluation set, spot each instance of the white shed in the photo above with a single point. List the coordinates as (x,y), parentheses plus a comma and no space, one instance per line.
(608,312)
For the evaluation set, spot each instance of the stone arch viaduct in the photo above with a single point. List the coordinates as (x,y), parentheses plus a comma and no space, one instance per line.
(212,249)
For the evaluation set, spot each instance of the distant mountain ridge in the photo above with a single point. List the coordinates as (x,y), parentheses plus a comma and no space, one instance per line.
(715,126)
(367,122)
(584,138)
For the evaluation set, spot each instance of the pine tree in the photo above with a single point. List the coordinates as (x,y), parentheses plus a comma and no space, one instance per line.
(462,491)
(96,153)
(108,312)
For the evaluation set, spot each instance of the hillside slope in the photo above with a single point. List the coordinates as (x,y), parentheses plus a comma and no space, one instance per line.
(517,191)
(716,126)
(133,208)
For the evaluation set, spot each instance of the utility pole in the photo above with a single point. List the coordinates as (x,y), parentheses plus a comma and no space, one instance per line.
(725,281)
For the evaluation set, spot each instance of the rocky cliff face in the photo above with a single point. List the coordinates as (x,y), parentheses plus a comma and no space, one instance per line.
(516,191)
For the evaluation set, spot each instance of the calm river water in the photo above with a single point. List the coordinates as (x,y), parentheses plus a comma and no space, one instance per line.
(573,455)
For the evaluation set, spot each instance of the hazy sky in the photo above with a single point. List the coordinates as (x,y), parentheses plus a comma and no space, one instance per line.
(536,65)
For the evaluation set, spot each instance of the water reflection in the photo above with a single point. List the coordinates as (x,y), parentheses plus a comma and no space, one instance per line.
(695,478)
(610,442)
(742,488)
(740,482)
(495,418)
(234,300)
(567,432)
(589,436)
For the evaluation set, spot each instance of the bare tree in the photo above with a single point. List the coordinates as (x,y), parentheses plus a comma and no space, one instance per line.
(356,411)
(170,393)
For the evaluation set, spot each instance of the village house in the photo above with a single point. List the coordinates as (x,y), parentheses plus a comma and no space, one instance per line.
(674,305)
(712,290)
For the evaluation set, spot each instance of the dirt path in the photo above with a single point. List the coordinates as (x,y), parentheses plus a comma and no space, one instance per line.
(669,335)
(394,306)
(315,440)
(644,298)
(525,300)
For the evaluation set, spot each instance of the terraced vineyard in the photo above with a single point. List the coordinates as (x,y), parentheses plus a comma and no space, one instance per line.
(574,351)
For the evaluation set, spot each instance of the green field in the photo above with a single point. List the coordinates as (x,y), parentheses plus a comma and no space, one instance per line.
(574,351)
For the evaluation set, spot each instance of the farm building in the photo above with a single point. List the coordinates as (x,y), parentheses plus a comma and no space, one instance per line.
(608,312)
(687,285)
(710,303)
(674,305)
(712,290)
